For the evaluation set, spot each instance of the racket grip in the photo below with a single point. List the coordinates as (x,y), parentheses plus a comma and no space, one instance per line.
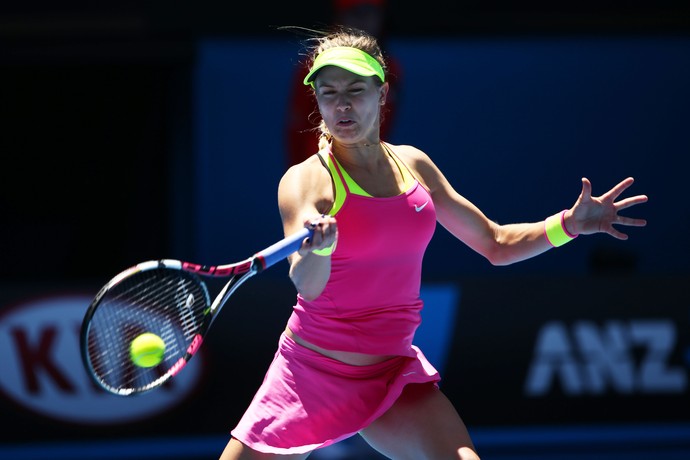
(283,248)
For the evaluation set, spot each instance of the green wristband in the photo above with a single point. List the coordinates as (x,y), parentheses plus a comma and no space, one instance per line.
(325,252)
(555,231)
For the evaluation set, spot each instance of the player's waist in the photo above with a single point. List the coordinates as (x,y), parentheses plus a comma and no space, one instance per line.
(347,357)
(382,335)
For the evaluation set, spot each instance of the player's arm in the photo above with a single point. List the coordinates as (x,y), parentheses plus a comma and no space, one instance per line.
(304,196)
(500,244)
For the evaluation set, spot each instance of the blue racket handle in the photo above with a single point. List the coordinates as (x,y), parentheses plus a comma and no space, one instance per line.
(283,248)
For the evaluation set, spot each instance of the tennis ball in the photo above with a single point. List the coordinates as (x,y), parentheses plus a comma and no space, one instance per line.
(147,350)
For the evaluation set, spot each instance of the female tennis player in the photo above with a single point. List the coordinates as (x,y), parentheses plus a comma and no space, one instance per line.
(345,364)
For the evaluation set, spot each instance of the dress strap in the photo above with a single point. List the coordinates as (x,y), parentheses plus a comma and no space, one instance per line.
(409,177)
(340,188)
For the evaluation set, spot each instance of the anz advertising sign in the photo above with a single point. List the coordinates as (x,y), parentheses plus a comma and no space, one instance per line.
(624,357)
(563,350)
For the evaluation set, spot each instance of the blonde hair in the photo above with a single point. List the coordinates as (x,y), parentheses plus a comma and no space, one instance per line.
(344,36)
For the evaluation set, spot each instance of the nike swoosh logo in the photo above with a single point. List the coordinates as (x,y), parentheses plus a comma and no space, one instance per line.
(413,372)
(419,208)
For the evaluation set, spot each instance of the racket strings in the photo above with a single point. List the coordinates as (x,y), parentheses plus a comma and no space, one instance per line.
(170,303)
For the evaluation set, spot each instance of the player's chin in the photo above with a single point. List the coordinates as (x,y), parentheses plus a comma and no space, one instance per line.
(350,134)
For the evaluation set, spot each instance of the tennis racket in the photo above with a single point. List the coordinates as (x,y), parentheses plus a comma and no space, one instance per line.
(170,299)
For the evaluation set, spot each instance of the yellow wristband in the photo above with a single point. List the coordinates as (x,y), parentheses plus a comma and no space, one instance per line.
(555,231)
(325,252)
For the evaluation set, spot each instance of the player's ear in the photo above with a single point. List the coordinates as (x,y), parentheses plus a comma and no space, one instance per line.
(383,93)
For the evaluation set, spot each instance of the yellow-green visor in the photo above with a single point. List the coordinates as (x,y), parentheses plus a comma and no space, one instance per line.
(348,58)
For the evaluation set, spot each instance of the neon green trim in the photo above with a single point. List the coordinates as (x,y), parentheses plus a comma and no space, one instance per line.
(354,187)
(339,187)
(348,58)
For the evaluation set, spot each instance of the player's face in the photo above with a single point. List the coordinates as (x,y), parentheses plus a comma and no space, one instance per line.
(350,104)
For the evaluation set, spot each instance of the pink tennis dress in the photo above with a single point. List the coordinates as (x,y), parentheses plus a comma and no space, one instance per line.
(371,304)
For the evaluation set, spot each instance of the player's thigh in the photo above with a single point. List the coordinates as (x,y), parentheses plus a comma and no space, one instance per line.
(235,450)
(422,424)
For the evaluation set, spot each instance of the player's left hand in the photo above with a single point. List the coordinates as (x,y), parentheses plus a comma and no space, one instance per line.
(599,214)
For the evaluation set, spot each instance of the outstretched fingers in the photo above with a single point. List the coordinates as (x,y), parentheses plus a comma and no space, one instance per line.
(600,213)
(614,232)
(626,203)
(616,191)
(630,221)
(623,204)
(631,201)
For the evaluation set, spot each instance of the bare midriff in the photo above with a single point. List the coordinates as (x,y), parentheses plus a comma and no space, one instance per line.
(347,357)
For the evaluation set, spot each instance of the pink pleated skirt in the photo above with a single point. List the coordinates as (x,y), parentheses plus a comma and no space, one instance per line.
(308,401)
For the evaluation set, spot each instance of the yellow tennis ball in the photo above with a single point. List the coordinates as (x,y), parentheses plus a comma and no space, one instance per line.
(147,350)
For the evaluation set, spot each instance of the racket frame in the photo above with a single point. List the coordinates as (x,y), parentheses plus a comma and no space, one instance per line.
(238,273)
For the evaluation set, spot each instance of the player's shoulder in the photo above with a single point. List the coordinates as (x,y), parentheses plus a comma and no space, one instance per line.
(306,172)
